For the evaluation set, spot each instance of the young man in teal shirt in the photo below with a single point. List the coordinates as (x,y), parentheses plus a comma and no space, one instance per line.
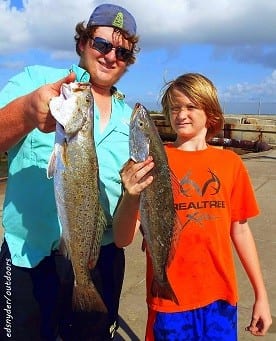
(41,280)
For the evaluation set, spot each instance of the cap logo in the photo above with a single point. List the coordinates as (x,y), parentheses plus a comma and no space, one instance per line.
(119,20)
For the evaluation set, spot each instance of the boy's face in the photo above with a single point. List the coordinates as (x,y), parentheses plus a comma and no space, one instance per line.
(187,119)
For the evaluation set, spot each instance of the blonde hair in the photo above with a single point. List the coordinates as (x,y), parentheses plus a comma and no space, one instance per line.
(202,92)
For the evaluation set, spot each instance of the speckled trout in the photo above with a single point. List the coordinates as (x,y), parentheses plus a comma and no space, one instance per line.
(157,213)
(74,167)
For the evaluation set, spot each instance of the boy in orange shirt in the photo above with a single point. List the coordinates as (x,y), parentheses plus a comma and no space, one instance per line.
(213,201)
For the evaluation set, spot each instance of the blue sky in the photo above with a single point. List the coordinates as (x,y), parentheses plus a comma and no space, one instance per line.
(231,42)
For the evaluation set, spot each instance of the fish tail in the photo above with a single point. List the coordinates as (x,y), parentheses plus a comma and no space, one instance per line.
(86,298)
(163,290)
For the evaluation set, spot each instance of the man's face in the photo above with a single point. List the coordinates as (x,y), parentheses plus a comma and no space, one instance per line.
(105,68)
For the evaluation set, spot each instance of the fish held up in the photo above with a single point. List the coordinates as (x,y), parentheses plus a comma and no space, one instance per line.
(157,212)
(74,168)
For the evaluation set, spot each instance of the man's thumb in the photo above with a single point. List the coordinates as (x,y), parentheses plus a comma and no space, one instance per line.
(68,79)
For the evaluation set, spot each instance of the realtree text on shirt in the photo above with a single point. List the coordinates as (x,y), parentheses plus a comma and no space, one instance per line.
(213,191)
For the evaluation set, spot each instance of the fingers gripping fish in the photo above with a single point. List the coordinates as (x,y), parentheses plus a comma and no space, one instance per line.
(74,167)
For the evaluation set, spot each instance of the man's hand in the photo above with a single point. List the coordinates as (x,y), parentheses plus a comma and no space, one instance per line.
(38,113)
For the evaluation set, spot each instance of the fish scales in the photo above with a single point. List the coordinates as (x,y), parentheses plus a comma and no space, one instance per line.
(74,167)
(157,213)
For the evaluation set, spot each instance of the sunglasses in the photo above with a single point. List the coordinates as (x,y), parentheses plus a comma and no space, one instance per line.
(104,47)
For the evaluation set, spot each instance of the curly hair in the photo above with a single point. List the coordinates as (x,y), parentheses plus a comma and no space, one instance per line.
(202,92)
(83,33)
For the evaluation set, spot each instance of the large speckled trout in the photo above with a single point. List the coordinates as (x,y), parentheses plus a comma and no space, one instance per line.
(74,167)
(157,213)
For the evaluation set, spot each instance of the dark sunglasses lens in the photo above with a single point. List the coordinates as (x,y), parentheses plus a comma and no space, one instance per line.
(105,47)
(102,45)
(123,54)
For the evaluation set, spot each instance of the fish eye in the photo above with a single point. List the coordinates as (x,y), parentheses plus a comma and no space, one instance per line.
(141,123)
(88,98)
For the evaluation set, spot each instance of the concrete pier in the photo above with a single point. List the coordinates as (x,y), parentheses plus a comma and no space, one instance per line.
(238,127)
(133,311)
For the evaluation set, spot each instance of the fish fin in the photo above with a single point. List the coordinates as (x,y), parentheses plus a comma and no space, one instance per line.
(60,148)
(63,248)
(102,219)
(176,187)
(55,107)
(163,290)
(97,240)
(176,233)
(178,226)
(86,298)
(51,165)
(62,110)
(95,248)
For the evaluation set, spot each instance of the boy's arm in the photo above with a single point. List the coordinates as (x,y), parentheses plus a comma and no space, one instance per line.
(245,246)
(125,223)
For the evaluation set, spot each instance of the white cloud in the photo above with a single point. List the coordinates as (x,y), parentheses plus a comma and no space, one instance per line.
(201,21)
(13,29)
(242,31)
(245,90)
(50,23)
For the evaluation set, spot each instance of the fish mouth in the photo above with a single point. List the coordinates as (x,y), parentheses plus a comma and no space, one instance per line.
(137,106)
(136,110)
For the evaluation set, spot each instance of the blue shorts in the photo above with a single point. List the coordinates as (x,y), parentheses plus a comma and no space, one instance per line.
(216,321)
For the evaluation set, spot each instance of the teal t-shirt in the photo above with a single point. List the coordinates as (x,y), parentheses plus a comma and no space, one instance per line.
(30,219)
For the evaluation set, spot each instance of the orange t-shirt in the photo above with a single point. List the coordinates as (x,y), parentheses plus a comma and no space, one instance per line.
(211,189)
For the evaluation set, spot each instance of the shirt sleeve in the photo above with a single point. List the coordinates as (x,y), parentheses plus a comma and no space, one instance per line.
(17,86)
(243,201)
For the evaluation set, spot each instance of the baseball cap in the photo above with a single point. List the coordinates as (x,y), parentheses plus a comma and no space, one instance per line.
(114,16)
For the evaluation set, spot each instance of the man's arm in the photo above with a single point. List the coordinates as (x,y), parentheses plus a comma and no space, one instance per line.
(31,111)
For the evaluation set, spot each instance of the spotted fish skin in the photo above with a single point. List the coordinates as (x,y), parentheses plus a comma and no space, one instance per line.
(157,213)
(74,167)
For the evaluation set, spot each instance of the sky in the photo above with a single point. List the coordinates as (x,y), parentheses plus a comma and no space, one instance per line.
(232,42)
